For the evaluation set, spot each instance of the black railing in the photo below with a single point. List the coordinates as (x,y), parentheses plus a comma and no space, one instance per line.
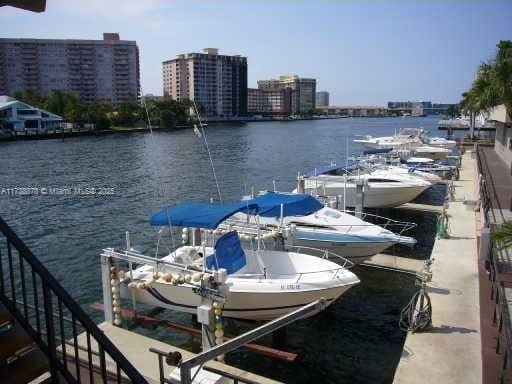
(497,256)
(171,359)
(500,315)
(53,320)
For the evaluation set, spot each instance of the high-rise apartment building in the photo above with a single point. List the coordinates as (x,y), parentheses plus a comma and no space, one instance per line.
(322,99)
(217,82)
(303,91)
(95,70)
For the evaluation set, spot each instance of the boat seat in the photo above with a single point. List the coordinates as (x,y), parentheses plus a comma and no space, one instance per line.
(228,254)
(187,255)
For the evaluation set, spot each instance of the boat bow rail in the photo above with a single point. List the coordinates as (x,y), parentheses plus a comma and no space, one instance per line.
(325,254)
(134,257)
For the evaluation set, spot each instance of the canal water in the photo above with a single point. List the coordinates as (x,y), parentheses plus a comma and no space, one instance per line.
(356,340)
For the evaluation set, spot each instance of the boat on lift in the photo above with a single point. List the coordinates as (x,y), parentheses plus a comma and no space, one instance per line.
(380,191)
(263,284)
(427,165)
(305,223)
(406,138)
(440,142)
(435,153)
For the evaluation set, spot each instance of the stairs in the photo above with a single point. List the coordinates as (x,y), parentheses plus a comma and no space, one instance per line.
(21,361)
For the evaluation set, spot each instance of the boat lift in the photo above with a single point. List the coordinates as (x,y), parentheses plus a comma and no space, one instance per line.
(213,292)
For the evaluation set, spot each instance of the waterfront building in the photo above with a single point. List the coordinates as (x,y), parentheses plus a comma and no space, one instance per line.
(503,139)
(217,82)
(354,110)
(303,91)
(106,70)
(17,117)
(269,101)
(418,108)
(322,99)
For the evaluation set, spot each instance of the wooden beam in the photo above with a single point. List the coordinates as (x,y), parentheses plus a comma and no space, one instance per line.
(256,348)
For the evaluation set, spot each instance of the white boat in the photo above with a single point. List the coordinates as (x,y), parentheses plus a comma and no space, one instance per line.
(263,284)
(435,153)
(304,222)
(427,165)
(406,138)
(378,165)
(440,142)
(387,170)
(379,190)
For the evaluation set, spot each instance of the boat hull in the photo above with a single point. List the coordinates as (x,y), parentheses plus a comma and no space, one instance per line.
(374,196)
(355,251)
(265,300)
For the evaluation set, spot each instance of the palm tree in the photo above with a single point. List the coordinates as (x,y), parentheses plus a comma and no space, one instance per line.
(504,235)
(493,83)
(503,74)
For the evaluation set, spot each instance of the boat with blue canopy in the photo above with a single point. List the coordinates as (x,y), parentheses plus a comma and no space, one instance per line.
(263,284)
(303,221)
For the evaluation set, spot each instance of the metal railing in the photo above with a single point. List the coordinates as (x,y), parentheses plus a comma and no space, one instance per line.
(53,320)
(160,265)
(501,314)
(164,380)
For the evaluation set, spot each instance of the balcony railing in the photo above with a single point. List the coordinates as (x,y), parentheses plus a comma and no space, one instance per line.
(53,320)
(499,265)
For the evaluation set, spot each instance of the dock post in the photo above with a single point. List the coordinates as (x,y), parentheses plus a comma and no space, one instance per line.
(301,184)
(107,288)
(485,244)
(360,186)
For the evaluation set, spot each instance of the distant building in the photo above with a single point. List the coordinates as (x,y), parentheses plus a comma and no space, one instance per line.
(303,91)
(354,110)
(418,107)
(322,99)
(269,101)
(18,117)
(95,70)
(217,82)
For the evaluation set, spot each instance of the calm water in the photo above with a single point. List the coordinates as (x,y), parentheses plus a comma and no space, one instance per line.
(356,340)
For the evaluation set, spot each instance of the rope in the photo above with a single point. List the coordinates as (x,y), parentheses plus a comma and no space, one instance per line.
(417,315)
(442,226)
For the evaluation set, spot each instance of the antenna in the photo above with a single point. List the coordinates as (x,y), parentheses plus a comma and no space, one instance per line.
(203,134)
(158,173)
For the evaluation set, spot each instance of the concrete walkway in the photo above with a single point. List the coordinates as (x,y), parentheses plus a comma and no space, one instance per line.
(450,352)
(392,262)
(135,348)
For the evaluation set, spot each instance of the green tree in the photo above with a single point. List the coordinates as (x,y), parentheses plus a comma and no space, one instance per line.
(32,97)
(453,110)
(504,235)
(493,83)
(128,114)
(99,114)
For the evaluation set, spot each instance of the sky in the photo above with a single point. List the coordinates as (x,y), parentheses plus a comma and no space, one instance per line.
(362,52)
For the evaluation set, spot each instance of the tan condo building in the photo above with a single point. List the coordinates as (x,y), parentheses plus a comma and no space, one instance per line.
(217,82)
(303,92)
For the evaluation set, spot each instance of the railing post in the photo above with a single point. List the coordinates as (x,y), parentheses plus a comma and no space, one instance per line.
(107,289)
(485,243)
(50,332)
